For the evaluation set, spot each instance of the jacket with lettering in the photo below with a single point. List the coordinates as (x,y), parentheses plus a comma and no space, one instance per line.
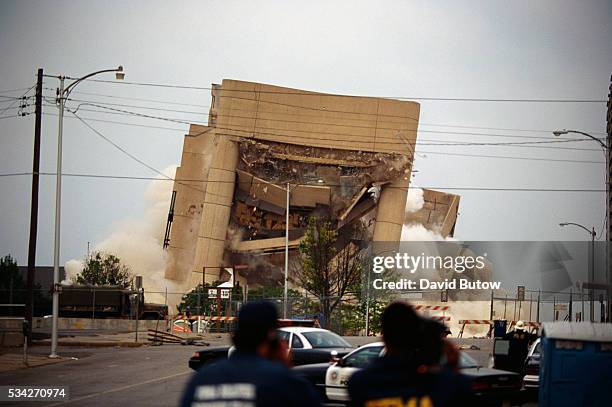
(392,382)
(246,379)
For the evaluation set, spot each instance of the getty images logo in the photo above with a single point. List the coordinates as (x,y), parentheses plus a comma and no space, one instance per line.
(411,264)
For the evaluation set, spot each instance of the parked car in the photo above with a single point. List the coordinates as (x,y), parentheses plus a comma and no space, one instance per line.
(531,381)
(338,374)
(489,385)
(307,346)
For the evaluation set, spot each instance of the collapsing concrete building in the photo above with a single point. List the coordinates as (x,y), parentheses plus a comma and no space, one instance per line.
(348,158)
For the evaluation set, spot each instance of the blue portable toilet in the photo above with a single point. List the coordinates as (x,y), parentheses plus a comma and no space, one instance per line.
(576,364)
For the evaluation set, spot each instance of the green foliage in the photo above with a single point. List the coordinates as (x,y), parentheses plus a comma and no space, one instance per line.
(10,278)
(104,269)
(326,273)
(317,249)
(13,289)
(198,302)
(271,293)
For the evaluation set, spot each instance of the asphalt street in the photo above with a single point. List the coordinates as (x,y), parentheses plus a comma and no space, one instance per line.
(145,376)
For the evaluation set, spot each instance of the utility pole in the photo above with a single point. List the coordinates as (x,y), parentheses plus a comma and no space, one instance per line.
(591,291)
(608,201)
(29,311)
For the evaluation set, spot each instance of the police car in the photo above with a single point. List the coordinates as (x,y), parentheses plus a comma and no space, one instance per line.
(489,385)
(338,374)
(307,346)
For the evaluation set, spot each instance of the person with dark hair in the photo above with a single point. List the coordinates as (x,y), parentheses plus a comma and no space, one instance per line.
(409,373)
(254,375)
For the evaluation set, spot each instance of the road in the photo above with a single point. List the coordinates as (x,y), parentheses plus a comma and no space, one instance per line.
(145,376)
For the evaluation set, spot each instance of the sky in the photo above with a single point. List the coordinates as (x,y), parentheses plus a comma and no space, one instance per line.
(414,49)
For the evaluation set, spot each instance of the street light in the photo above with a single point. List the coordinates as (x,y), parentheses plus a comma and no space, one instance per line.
(559,133)
(592,268)
(606,152)
(62,96)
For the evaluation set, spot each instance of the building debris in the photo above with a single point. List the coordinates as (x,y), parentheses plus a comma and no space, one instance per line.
(343,157)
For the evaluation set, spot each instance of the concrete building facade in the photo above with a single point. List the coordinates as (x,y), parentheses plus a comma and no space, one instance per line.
(344,157)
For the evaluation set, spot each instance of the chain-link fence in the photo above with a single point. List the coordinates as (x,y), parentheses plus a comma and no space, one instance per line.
(347,316)
(542,306)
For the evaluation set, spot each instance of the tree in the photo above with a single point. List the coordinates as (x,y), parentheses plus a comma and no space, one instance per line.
(326,273)
(13,288)
(104,269)
(9,274)
(300,305)
(200,304)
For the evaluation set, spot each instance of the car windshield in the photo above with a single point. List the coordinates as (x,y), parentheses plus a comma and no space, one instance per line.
(362,357)
(466,361)
(325,339)
(536,349)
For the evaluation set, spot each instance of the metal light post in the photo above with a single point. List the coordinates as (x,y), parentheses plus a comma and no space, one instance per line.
(286,255)
(592,268)
(606,152)
(62,96)
(286,282)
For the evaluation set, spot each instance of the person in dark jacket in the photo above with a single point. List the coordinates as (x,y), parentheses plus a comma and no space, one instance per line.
(254,375)
(409,374)
(518,346)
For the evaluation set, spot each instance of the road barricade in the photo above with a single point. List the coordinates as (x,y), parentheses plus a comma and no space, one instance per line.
(464,322)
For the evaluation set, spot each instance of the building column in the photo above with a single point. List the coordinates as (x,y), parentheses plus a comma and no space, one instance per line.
(391,212)
(216,212)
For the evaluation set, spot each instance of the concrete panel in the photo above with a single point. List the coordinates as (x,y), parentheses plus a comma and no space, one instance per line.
(273,244)
(295,116)
(302,195)
(190,187)
(439,212)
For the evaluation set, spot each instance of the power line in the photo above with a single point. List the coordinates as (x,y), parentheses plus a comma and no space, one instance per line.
(512,157)
(375,141)
(139,99)
(302,114)
(15,115)
(16,90)
(100,105)
(91,119)
(22,99)
(118,147)
(302,93)
(132,156)
(283,184)
(499,128)
(423,152)
(182,130)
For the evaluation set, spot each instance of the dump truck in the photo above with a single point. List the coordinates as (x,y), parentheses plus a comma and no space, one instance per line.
(107,302)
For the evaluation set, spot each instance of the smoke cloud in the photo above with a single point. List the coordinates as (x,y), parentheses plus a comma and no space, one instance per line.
(415,200)
(72,268)
(138,242)
(416,232)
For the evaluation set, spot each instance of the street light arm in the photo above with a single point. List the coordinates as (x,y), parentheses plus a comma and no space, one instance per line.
(589,136)
(70,87)
(589,231)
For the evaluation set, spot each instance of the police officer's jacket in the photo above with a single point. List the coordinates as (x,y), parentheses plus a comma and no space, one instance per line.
(392,382)
(247,380)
